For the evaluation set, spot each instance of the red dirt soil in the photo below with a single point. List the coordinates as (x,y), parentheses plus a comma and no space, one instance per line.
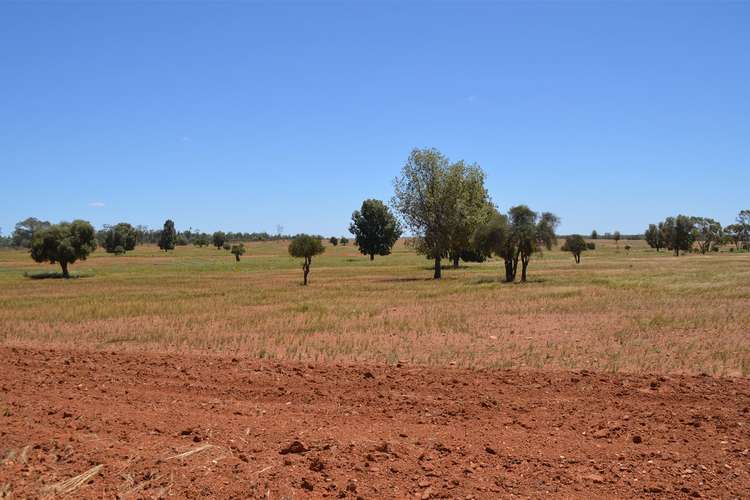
(270,430)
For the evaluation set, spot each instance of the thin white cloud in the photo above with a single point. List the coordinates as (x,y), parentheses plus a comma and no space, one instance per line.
(96,204)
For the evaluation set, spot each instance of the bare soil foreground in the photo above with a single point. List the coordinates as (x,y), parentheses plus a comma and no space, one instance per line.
(148,425)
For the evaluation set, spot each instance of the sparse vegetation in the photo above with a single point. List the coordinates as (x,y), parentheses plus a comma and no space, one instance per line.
(576,245)
(375,229)
(305,247)
(64,244)
(238,250)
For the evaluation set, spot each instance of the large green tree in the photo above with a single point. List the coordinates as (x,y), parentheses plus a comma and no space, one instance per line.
(64,243)
(119,238)
(305,247)
(435,198)
(168,237)
(375,229)
(24,231)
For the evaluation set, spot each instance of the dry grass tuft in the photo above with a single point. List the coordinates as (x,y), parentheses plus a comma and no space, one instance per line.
(72,484)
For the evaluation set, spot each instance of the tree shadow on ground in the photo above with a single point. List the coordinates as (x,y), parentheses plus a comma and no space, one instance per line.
(53,275)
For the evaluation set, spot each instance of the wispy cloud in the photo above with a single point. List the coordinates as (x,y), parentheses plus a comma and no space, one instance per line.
(96,204)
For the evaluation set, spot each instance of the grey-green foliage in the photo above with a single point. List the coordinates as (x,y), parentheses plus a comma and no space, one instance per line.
(64,243)
(238,250)
(708,233)
(305,247)
(438,201)
(24,231)
(168,237)
(516,237)
(375,229)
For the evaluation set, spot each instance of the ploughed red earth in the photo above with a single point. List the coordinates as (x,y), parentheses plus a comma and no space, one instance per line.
(141,425)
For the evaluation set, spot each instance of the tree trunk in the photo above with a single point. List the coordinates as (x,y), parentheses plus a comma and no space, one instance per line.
(509,277)
(578,258)
(676,252)
(524,265)
(372,256)
(438,270)
(306,269)
(64,266)
(455,262)
(237,257)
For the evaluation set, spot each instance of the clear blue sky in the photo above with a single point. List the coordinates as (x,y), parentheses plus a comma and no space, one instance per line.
(241,116)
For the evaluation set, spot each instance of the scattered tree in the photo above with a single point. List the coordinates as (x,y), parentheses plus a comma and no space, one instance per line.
(218,239)
(181,240)
(333,241)
(24,231)
(590,245)
(437,201)
(735,233)
(708,233)
(616,237)
(531,233)
(575,244)
(655,236)
(627,248)
(201,240)
(375,229)
(494,238)
(120,238)
(306,247)
(63,243)
(226,246)
(168,236)
(238,250)
(594,235)
(679,233)
(343,240)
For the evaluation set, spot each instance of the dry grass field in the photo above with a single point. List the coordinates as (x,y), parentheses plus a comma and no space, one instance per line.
(617,311)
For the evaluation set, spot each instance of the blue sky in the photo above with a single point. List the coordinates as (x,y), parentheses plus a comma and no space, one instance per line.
(242,116)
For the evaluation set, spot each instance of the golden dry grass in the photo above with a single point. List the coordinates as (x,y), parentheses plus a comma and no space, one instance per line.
(617,311)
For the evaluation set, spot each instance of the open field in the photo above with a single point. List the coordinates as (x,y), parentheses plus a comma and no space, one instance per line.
(186,374)
(617,312)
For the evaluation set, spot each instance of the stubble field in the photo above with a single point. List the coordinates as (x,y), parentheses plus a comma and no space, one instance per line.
(618,311)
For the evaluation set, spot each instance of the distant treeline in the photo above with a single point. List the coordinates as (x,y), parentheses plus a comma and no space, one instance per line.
(24,231)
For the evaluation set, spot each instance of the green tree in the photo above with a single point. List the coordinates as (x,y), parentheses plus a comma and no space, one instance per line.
(201,240)
(63,243)
(708,233)
(375,229)
(616,237)
(494,238)
(679,233)
(576,245)
(238,250)
(472,209)
(24,231)
(343,240)
(655,236)
(218,239)
(168,236)
(305,247)
(333,241)
(434,198)
(594,235)
(119,238)
(531,233)
(736,234)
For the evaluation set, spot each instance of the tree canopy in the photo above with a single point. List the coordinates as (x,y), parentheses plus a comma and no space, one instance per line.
(218,239)
(306,247)
(441,203)
(237,250)
(168,237)
(576,245)
(119,238)
(24,231)
(64,243)
(375,229)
